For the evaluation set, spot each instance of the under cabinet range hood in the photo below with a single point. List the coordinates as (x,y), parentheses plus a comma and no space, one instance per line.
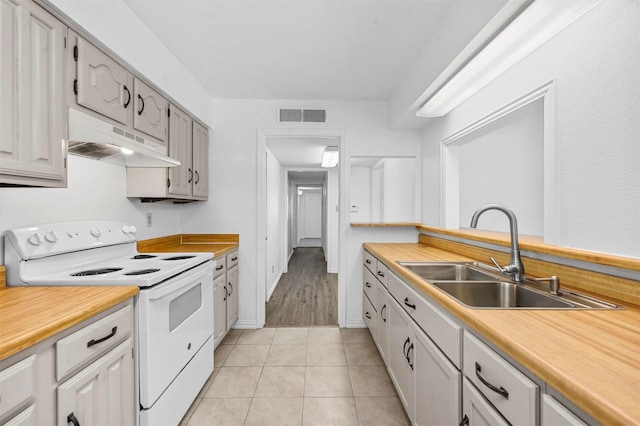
(93,138)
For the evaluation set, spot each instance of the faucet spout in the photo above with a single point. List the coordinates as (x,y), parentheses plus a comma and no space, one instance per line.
(515,267)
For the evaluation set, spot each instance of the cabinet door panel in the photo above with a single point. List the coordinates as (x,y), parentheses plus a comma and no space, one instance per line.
(200,161)
(232,296)
(476,411)
(150,114)
(383,322)
(119,388)
(33,119)
(399,343)
(219,308)
(438,384)
(180,147)
(103,85)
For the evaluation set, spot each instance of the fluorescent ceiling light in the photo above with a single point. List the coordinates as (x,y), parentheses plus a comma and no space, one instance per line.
(330,157)
(534,26)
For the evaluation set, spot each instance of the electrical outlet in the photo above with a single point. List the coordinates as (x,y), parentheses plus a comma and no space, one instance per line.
(149,220)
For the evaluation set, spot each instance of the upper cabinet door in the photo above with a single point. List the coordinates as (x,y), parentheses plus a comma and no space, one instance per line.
(103,85)
(200,161)
(180,147)
(32,69)
(150,114)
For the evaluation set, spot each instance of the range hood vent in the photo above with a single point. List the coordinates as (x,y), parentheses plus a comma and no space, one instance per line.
(96,139)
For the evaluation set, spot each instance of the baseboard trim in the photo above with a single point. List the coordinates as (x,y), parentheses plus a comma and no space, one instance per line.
(273,287)
(356,324)
(245,325)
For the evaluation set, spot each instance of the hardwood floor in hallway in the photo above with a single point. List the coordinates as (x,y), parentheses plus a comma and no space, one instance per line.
(306,295)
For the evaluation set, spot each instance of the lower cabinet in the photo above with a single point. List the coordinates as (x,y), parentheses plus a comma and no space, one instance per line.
(382,342)
(225,295)
(96,395)
(477,411)
(437,384)
(401,348)
(553,413)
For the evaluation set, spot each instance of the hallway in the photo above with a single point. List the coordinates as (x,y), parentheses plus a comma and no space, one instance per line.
(306,295)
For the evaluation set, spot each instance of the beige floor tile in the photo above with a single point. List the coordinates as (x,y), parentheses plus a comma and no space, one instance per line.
(362,354)
(329,412)
(247,355)
(262,336)
(234,382)
(190,412)
(356,335)
(290,336)
(275,411)
(327,354)
(220,411)
(327,381)
(381,411)
(281,382)
(324,335)
(206,385)
(371,380)
(287,355)
(220,355)
(232,337)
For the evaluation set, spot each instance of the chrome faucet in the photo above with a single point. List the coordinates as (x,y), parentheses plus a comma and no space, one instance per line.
(515,267)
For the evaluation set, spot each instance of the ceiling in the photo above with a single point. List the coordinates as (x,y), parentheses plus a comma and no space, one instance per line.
(297,49)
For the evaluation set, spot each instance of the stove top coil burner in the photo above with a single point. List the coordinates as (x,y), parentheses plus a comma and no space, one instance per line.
(177,257)
(142,272)
(91,272)
(143,256)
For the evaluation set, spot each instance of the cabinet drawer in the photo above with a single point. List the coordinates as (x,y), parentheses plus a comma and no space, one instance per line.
(370,262)
(370,317)
(369,285)
(382,272)
(219,267)
(16,384)
(555,414)
(91,341)
(26,417)
(232,259)
(510,391)
(446,333)
(476,410)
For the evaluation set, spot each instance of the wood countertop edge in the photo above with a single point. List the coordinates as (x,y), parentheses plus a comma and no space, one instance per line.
(3,277)
(537,244)
(595,402)
(14,342)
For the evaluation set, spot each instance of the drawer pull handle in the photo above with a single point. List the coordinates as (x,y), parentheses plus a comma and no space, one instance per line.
(368,315)
(367,285)
(406,302)
(226,292)
(230,289)
(384,307)
(234,258)
(502,391)
(465,421)
(141,104)
(107,337)
(368,262)
(219,267)
(71,418)
(380,274)
(125,105)
(404,347)
(409,357)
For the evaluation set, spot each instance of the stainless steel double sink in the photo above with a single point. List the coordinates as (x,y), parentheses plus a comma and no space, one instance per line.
(477,285)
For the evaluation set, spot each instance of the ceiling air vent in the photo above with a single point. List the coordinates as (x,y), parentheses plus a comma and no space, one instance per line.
(298,115)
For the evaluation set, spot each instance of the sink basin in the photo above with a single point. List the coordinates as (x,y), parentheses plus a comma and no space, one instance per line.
(434,271)
(499,295)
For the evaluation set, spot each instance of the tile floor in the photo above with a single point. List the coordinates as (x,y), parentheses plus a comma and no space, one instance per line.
(297,376)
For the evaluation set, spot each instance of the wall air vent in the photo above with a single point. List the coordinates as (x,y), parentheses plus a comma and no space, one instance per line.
(299,115)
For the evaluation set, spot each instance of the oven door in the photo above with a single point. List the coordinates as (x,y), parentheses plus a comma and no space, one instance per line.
(175,319)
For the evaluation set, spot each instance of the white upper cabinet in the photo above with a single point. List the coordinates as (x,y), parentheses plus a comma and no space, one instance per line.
(102,85)
(32,116)
(200,161)
(180,148)
(151,110)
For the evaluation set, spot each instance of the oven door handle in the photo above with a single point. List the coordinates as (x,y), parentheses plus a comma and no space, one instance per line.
(180,285)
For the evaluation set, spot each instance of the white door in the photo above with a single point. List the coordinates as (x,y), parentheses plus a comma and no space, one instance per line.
(310,215)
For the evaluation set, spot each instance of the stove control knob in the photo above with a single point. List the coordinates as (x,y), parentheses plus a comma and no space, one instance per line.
(95,231)
(126,229)
(133,229)
(52,236)
(35,239)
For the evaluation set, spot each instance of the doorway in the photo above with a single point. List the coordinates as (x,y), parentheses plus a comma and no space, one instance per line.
(300,216)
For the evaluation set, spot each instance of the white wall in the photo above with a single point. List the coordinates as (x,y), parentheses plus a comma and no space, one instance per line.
(361,193)
(275,220)
(596,65)
(331,216)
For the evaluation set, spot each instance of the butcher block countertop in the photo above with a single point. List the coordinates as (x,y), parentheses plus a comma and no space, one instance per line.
(218,244)
(29,315)
(592,357)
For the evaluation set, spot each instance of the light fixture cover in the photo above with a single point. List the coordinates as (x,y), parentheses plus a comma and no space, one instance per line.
(330,157)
